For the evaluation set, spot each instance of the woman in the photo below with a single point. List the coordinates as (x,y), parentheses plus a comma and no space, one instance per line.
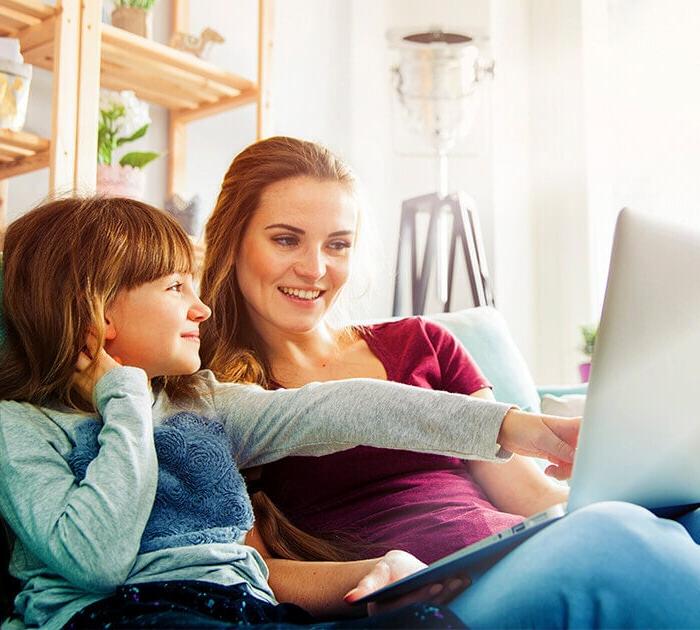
(279,251)
(274,269)
(119,472)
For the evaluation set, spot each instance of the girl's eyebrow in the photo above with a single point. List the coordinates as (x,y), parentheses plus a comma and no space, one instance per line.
(297,230)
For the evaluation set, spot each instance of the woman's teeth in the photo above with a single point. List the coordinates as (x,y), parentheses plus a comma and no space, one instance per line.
(304,295)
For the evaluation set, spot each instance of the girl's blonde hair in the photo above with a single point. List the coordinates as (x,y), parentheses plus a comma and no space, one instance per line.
(64,262)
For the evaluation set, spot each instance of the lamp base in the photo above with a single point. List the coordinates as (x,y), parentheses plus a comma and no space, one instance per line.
(465,231)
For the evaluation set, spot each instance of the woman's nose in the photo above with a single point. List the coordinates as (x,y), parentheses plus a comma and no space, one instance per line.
(311,266)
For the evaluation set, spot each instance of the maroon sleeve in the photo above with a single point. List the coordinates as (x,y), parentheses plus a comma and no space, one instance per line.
(460,373)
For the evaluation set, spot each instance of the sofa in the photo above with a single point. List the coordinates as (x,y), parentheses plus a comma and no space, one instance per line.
(483,331)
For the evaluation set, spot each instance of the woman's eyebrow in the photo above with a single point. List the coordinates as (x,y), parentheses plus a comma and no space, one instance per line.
(284,226)
(297,230)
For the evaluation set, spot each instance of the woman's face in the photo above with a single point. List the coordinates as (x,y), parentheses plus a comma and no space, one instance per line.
(295,254)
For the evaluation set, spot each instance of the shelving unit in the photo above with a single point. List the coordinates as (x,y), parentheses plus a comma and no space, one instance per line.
(21,153)
(85,54)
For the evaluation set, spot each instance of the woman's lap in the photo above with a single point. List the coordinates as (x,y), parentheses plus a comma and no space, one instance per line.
(610,564)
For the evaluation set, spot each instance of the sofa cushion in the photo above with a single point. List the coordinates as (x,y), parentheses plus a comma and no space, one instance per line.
(484,333)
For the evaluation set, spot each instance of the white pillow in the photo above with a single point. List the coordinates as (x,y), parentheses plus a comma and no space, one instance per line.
(569,406)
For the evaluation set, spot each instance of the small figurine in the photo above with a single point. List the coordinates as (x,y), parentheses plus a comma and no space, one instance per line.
(189,214)
(198,46)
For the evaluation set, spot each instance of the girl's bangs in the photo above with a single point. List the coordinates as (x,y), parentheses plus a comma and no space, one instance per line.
(157,249)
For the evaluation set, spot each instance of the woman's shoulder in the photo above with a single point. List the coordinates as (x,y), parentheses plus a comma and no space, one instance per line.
(405,325)
(409,328)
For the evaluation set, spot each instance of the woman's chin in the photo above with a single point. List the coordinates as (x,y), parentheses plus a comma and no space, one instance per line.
(299,326)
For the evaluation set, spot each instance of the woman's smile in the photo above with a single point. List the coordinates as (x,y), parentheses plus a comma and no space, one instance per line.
(301,296)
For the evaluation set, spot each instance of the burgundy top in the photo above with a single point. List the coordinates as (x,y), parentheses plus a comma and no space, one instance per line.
(389,499)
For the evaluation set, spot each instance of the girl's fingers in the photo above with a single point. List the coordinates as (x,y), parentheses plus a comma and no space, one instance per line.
(83,362)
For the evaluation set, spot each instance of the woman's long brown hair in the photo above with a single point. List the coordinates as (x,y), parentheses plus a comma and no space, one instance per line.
(64,262)
(231,347)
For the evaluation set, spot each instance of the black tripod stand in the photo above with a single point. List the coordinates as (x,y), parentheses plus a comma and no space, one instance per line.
(465,231)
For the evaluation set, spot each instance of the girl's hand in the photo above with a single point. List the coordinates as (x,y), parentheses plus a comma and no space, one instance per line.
(548,437)
(89,371)
(394,566)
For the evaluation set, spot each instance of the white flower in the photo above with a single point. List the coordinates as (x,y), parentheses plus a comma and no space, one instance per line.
(136,113)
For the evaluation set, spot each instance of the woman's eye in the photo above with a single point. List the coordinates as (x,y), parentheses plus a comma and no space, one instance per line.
(285,241)
(340,245)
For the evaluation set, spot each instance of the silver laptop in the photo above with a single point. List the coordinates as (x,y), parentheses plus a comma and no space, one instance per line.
(640,439)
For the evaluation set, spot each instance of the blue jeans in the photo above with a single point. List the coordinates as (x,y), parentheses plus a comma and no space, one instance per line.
(609,565)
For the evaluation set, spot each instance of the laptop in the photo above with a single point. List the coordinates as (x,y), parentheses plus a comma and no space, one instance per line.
(640,437)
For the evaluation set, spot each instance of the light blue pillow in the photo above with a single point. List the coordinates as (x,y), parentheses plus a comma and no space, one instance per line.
(484,333)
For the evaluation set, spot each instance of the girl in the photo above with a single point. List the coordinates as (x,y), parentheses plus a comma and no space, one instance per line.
(119,476)
(279,250)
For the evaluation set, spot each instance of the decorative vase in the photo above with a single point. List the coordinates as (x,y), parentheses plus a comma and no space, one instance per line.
(120,181)
(584,369)
(135,20)
(15,77)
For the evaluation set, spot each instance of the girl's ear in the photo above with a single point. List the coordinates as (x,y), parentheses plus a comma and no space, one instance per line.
(110,329)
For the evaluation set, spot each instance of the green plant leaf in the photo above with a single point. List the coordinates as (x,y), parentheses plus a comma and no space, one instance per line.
(136,4)
(139,133)
(138,159)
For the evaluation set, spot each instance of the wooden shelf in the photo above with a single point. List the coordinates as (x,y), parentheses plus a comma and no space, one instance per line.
(17,15)
(84,54)
(157,73)
(22,152)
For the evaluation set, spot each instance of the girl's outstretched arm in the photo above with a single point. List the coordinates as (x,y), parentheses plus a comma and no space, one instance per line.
(322,418)
(87,531)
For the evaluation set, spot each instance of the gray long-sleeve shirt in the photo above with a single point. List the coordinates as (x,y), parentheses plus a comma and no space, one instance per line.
(78,540)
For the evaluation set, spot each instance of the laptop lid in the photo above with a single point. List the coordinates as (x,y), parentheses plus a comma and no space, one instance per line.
(640,439)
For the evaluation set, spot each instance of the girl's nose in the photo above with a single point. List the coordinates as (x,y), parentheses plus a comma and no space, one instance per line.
(199,311)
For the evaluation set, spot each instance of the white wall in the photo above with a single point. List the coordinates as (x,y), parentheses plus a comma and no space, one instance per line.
(594,106)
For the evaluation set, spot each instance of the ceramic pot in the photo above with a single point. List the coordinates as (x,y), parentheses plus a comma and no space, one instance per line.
(135,20)
(584,369)
(120,181)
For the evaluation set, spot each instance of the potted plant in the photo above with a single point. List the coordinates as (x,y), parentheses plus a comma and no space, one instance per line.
(123,119)
(134,16)
(588,332)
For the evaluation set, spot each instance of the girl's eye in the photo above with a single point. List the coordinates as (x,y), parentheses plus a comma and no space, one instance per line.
(286,241)
(340,245)
(176,287)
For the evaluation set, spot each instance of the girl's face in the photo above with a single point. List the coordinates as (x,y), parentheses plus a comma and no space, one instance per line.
(295,254)
(156,326)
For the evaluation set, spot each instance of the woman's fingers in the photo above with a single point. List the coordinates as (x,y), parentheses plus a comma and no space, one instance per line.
(377,578)
(559,471)
(438,593)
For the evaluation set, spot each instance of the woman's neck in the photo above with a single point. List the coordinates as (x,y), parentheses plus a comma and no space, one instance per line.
(309,350)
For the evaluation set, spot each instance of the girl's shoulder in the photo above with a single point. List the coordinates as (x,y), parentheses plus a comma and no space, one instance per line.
(24,425)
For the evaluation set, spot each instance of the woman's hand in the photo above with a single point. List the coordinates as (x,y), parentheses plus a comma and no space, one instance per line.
(89,371)
(394,566)
(548,437)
